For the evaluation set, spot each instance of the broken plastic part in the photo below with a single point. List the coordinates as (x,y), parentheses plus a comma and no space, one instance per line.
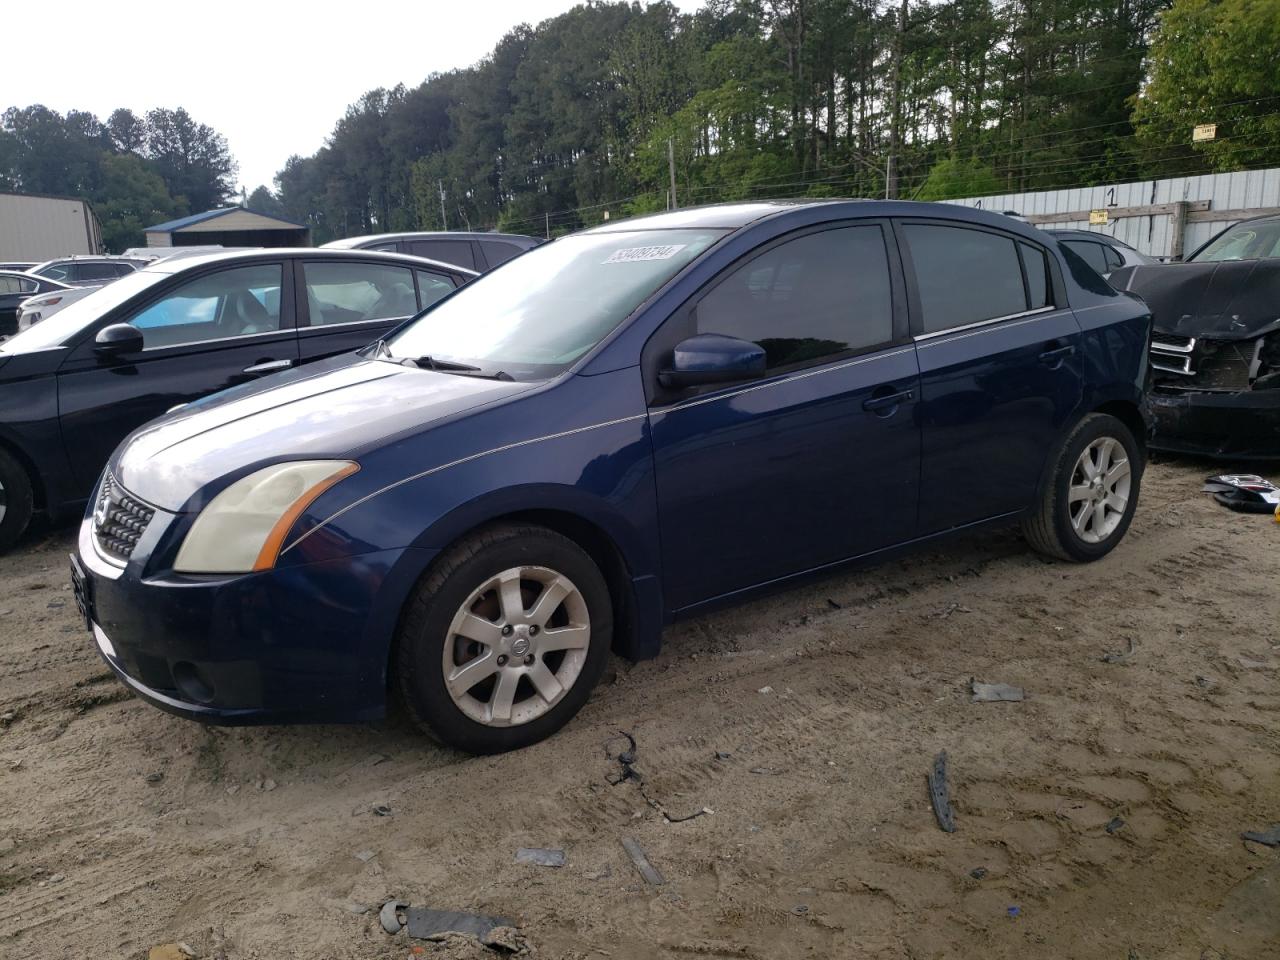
(938,795)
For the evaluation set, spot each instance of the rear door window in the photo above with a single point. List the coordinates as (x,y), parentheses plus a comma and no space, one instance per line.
(817,296)
(96,271)
(446,251)
(964,276)
(496,251)
(356,292)
(432,287)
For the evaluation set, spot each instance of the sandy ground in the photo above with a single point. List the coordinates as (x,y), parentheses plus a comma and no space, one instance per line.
(122,828)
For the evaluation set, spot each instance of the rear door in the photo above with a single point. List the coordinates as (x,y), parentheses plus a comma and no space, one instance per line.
(203,333)
(999,367)
(345,304)
(815,463)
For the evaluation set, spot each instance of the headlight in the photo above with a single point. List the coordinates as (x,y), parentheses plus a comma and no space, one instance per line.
(244,527)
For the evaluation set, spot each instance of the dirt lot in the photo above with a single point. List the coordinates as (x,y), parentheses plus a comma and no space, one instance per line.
(122,827)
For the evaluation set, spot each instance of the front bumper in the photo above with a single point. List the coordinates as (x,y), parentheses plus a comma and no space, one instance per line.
(306,643)
(1242,425)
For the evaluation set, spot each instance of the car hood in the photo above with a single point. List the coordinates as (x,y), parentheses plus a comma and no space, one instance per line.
(336,409)
(1230,300)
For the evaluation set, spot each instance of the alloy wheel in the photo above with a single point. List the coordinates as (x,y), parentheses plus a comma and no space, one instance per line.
(1099,492)
(516,646)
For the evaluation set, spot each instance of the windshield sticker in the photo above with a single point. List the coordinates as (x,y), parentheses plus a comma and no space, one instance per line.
(634,254)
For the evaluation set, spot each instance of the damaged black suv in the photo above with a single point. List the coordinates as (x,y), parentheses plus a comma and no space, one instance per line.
(1215,348)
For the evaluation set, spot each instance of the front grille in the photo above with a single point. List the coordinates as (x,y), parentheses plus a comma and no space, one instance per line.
(1172,354)
(119,520)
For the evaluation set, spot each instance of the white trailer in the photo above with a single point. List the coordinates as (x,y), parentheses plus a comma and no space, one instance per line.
(35,228)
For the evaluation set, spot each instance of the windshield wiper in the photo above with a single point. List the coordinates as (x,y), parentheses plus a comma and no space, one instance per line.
(446,366)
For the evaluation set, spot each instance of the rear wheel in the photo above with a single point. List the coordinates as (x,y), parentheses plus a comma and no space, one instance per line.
(16,502)
(503,641)
(1089,499)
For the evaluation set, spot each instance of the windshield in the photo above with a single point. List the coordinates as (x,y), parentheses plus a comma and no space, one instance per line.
(543,310)
(69,321)
(1259,240)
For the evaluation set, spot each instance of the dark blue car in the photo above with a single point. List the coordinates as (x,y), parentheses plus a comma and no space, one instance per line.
(622,428)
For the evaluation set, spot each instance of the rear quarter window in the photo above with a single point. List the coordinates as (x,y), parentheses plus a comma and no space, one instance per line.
(963,275)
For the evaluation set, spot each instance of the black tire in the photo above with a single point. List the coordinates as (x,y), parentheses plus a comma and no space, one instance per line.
(16,500)
(418,663)
(1049,527)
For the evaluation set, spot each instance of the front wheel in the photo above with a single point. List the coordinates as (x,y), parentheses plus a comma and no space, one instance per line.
(15,501)
(503,641)
(1090,496)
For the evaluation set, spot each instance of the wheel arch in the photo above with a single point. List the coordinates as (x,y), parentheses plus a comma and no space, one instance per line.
(39,495)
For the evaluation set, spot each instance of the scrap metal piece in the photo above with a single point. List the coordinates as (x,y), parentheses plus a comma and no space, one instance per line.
(427,924)
(540,856)
(1115,824)
(1120,656)
(647,869)
(996,693)
(938,796)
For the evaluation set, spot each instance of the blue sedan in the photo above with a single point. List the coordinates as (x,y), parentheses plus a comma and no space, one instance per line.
(626,427)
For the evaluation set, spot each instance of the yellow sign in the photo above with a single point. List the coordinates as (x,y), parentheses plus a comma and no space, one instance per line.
(1098,218)
(1204,131)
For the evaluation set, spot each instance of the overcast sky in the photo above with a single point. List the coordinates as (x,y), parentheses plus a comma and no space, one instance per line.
(272,76)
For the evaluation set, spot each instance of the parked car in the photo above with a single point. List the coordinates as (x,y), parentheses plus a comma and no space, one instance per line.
(88,270)
(16,288)
(622,428)
(1215,352)
(475,251)
(74,385)
(45,305)
(1101,251)
(20,265)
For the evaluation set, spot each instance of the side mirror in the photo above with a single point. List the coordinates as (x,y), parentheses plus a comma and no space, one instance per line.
(117,339)
(712,358)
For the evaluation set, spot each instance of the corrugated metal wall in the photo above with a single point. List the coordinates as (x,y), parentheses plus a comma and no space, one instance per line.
(1249,189)
(41,228)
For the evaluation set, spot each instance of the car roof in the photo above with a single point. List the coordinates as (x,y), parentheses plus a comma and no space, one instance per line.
(735,216)
(182,264)
(349,242)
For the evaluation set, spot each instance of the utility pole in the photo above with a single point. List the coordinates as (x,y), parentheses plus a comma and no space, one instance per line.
(671,165)
(888,172)
(546,219)
(444,219)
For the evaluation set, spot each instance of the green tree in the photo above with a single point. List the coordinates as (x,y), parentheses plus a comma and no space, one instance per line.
(952,178)
(129,198)
(1213,61)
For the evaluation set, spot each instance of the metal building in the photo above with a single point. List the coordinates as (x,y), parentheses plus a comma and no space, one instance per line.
(35,227)
(229,227)
(1162,218)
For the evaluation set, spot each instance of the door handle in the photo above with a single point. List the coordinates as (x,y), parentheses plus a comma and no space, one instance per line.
(269,366)
(1055,355)
(886,401)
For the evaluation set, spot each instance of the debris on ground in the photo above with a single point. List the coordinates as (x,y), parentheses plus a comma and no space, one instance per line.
(154,777)
(540,856)
(938,796)
(723,755)
(427,924)
(171,951)
(647,869)
(1269,838)
(978,873)
(381,810)
(1120,656)
(626,759)
(800,909)
(765,690)
(1244,492)
(1251,664)
(951,608)
(996,692)
(1014,912)
(1115,824)
(390,915)
(364,856)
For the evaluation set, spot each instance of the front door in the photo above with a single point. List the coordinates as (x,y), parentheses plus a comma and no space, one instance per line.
(999,368)
(217,330)
(819,461)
